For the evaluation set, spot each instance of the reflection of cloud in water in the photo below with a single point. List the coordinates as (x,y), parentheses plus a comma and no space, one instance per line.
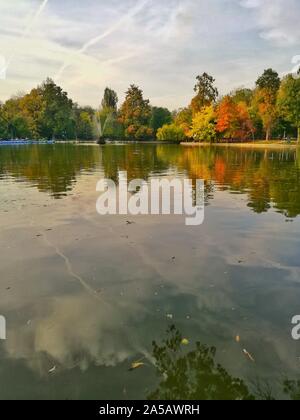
(77,332)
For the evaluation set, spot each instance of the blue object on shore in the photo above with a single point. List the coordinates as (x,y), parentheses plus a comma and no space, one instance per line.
(24,142)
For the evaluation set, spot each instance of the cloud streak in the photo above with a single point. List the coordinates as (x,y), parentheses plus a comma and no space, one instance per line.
(161,46)
(28,28)
(113,28)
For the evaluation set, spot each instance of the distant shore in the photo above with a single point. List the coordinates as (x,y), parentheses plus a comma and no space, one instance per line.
(250,145)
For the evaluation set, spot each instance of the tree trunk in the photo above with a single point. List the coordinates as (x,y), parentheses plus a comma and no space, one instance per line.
(268,134)
(298,135)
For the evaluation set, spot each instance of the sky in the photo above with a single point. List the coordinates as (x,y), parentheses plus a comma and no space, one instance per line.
(160,45)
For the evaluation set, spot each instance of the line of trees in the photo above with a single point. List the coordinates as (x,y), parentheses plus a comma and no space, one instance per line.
(270,110)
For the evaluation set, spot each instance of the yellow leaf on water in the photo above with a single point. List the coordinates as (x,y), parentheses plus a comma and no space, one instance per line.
(136,365)
(238,339)
(185,342)
(247,354)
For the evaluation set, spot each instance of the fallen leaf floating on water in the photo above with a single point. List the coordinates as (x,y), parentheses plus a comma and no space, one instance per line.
(52,370)
(185,342)
(136,365)
(238,339)
(247,354)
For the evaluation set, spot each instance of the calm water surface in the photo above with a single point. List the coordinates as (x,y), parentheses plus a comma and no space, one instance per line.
(85,296)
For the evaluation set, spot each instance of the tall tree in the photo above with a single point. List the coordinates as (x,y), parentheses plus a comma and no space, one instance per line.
(289,101)
(206,93)
(135,114)
(110,99)
(267,87)
(57,119)
(106,117)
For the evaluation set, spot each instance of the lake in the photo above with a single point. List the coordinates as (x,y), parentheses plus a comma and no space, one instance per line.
(85,296)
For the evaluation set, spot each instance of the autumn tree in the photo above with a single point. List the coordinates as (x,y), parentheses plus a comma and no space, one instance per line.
(233,120)
(289,101)
(267,87)
(14,122)
(206,93)
(204,125)
(135,114)
(32,107)
(183,119)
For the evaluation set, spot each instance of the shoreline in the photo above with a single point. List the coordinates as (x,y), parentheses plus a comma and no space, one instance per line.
(245,145)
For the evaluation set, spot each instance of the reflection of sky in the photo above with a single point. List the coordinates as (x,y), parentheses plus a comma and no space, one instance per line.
(238,274)
(158,45)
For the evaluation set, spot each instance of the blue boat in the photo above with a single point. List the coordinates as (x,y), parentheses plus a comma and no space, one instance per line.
(24,142)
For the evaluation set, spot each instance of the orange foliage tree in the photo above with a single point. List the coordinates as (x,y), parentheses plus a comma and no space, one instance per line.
(233,120)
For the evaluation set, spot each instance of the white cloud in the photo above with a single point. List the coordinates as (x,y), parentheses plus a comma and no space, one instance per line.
(278,20)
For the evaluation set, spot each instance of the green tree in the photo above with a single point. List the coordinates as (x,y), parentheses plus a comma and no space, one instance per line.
(57,118)
(84,123)
(171,132)
(135,115)
(289,101)
(160,117)
(106,118)
(242,95)
(206,92)
(110,99)
(267,87)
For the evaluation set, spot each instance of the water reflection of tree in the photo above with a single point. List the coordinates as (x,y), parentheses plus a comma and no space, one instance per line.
(267,177)
(195,375)
(52,169)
